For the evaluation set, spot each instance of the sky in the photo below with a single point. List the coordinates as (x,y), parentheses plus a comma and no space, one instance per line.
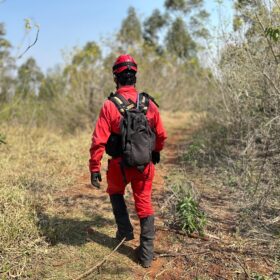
(65,24)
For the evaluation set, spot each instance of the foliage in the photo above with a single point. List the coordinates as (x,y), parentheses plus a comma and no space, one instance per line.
(197,16)
(245,105)
(131,30)
(179,42)
(153,25)
(273,33)
(29,79)
(52,84)
(190,217)
(182,5)
(88,56)
(182,210)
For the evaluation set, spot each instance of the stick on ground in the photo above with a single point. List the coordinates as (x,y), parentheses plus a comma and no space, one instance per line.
(101,262)
(166,255)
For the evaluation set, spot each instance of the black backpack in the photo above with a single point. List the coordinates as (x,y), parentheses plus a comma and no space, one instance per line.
(137,139)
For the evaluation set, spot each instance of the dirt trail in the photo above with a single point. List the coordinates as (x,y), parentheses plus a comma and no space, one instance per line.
(224,255)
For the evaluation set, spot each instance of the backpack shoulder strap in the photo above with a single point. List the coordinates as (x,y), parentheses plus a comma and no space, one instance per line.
(121,103)
(144,101)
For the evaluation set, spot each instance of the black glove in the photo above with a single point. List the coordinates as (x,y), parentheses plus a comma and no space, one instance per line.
(95,179)
(155,157)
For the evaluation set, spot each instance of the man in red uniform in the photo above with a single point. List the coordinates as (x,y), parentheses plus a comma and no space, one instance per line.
(118,176)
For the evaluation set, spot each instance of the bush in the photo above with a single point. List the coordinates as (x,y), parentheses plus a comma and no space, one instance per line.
(241,131)
(190,218)
(182,211)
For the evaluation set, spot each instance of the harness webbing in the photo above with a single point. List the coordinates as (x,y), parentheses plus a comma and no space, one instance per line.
(124,105)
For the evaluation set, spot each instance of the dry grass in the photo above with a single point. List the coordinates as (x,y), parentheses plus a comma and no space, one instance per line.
(51,226)
(20,243)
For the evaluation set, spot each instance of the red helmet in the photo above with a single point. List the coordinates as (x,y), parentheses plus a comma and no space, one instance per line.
(123,62)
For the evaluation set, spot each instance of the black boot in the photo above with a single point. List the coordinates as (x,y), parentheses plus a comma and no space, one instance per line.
(125,228)
(146,249)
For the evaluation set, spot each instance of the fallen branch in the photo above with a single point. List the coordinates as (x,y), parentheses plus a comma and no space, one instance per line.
(165,269)
(167,255)
(243,266)
(212,236)
(100,263)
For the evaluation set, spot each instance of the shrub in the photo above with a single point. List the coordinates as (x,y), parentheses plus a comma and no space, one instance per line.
(182,210)
(190,218)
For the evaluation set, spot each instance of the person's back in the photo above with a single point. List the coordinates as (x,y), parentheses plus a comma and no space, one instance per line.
(119,174)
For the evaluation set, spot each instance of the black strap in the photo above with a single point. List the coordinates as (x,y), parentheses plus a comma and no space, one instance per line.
(121,103)
(143,102)
(124,105)
(150,97)
(128,63)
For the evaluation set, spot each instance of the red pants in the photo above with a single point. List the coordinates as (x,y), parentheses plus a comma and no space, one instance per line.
(141,183)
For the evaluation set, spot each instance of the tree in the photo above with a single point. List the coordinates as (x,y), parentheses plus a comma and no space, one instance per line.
(152,25)
(83,78)
(184,6)
(198,26)
(193,12)
(6,67)
(244,9)
(131,31)
(82,70)
(259,20)
(29,79)
(179,41)
(52,85)
(88,56)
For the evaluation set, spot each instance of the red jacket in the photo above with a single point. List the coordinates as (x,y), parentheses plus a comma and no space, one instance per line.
(109,122)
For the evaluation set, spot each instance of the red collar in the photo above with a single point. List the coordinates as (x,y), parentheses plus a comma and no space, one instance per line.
(124,89)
